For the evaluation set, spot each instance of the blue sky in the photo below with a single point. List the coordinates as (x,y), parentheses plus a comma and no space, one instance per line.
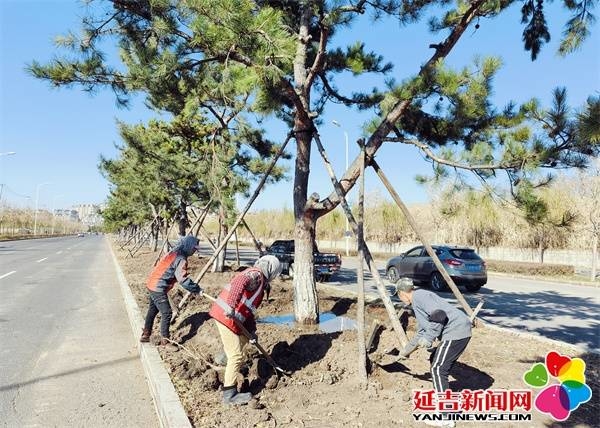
(59,134)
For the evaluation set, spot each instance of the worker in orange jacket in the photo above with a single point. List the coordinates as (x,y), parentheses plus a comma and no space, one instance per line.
(172,268)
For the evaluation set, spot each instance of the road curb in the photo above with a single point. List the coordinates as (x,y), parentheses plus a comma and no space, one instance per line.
(545,279)
(169,409)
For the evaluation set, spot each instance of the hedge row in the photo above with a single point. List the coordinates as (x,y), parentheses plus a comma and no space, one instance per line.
(526,268)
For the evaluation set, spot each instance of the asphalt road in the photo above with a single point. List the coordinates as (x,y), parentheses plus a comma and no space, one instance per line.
(558,311)
(67,355)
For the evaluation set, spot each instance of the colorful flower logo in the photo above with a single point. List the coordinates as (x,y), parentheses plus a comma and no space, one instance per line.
(559,399)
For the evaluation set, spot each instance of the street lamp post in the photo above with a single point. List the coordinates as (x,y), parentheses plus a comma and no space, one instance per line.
(37,197)
(347,233)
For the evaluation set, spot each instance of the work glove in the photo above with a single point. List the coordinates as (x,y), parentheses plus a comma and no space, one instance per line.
(200,293)
(253,338)
(406,351)
(230,313)
(424,343)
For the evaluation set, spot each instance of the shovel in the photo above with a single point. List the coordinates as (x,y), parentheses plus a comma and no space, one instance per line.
(262,350)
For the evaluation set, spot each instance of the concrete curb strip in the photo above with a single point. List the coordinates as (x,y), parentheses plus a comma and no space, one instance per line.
(169,409)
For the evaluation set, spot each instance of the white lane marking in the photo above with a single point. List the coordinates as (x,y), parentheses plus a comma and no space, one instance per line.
(6,274)
(41,260)
(59,252)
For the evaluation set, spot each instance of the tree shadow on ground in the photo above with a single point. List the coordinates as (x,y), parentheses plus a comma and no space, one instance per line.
(549,313)
(306,349)
(195,321)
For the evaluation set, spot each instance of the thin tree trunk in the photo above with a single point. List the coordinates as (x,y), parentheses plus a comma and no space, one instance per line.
(236,223)
(219,264)
(360,310)
(594,257)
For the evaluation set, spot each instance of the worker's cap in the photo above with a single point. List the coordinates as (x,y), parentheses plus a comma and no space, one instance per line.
(404,284)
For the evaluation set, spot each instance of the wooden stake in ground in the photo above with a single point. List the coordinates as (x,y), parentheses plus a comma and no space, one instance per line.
(387,302)
(237,248)
(360,283)
(256,241)
(165,243)
(425,243)
(237,222)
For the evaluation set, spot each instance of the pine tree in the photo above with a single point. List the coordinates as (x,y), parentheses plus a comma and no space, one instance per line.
(278,56)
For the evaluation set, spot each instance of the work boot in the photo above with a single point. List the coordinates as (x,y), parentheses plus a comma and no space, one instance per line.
(233,397)
(167,345)
(145,335)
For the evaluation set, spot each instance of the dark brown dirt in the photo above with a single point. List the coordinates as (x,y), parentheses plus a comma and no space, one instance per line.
(323,390)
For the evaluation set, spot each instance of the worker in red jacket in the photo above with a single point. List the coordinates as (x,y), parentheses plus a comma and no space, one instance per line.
(172,268)
(240,299)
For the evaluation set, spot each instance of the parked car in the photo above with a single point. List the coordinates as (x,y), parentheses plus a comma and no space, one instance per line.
(463,265)
(326,264)
(80,235)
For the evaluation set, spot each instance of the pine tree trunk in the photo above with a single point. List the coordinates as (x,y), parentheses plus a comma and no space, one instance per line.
(183,220)
(306,303)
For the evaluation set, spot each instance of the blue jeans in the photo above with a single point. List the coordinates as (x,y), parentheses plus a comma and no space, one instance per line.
(159,302)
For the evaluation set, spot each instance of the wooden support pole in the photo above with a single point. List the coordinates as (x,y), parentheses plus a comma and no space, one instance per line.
(256,241)
(235,224)
(208,238)
(387,302)
(360,283)
(237,248)
(166,241)
(417,230)
(476,310)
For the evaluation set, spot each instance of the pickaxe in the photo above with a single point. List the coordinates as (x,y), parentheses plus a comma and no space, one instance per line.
(254,341)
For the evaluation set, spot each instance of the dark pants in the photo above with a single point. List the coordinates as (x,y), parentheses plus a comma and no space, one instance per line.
(443,359)
(159,301)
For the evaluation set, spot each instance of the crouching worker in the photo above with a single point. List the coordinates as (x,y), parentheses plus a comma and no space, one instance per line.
(239,300)
(171,268)
(436,318)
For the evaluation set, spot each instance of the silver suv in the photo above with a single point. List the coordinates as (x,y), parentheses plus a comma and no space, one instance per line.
(463,265)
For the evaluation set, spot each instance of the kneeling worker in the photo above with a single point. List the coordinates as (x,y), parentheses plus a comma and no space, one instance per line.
(240,299)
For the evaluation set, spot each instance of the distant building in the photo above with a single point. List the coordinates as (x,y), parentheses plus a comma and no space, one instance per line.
(89,214)
(70,215)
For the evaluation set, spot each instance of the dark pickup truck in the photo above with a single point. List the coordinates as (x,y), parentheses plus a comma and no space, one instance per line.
(326,264)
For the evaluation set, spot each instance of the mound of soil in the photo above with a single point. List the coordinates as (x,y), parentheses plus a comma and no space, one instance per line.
(323,390)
